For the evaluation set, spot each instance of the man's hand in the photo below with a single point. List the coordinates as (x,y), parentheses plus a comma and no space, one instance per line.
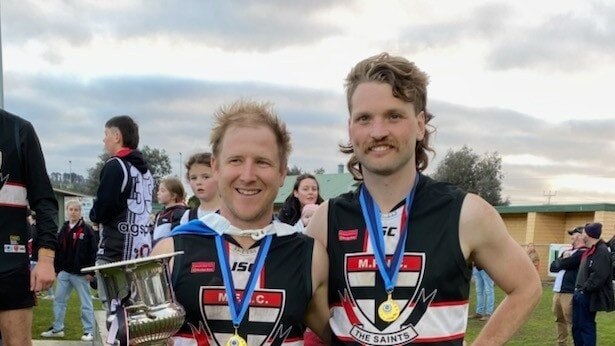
(43,274)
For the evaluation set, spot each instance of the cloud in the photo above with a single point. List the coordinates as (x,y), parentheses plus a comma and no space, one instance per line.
(573,147)
(27,20)
(174,114)
(230,25)
(482,22)
(560,40)
(564,41)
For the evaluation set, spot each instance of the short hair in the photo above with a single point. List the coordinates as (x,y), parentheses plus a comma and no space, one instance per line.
(198,158)
(74,202)
(128,128)
(175,187)
(409,84)
(244,113)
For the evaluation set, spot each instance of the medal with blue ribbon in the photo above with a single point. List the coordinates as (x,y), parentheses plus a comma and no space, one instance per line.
(239,309)
(389,310)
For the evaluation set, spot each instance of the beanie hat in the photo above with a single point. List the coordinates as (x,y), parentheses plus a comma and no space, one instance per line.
(594,230)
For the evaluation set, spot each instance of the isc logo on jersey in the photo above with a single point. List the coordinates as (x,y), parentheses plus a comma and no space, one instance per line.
(366,293)
(264,313)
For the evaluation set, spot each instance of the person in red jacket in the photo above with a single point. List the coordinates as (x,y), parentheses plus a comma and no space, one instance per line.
(76,250)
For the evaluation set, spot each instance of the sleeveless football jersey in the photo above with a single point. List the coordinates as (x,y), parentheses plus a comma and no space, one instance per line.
(279,302)
(432,288)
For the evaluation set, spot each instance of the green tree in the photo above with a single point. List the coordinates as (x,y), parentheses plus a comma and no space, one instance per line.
(473,173)
(294,170)
(93,179)
(158,161)
(319,171)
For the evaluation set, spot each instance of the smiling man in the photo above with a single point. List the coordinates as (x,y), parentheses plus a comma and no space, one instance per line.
(245,278)
(400,246)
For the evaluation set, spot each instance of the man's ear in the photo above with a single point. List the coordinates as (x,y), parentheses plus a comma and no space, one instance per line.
(214,166)
(117,136)
(420,134)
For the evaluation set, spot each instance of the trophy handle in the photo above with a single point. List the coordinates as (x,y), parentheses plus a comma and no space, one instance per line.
(141,308)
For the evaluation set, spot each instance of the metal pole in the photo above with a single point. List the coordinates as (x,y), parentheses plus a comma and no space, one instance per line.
(1,66)
(180,165)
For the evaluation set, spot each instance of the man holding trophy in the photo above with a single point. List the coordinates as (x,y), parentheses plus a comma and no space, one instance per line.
(245,278)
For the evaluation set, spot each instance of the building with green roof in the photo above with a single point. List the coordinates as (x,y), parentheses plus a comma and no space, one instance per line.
(549,224)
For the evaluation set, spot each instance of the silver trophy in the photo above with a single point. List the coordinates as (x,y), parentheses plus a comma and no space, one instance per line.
(141,305)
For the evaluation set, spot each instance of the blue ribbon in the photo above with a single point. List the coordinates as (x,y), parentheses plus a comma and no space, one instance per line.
(371,215)
(237,312)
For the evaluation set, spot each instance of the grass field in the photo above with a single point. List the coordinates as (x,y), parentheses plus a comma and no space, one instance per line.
(539,330)
(43,318)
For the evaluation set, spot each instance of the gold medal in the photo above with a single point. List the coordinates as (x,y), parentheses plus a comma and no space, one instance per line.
(236,340)
(388,311)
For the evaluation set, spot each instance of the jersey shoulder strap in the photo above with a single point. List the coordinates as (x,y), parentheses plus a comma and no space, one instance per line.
(193,214)
(124,170)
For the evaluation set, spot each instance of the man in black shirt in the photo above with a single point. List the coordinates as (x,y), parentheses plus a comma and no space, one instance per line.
(23,182)
(428,241)
(567,268)
(282,274)
(593,288)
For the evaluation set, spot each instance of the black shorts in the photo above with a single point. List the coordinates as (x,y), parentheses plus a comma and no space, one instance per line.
(15,290)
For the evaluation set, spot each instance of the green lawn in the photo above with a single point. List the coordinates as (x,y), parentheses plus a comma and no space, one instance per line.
(539,330)
(43,318)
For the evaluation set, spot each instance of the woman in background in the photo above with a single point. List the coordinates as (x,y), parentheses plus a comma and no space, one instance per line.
(531,251)
(305,191)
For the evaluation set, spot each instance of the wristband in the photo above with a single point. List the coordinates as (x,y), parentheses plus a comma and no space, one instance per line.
(42,252)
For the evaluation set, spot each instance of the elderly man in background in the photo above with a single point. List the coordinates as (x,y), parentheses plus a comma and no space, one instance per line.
(566,267)
(593,289)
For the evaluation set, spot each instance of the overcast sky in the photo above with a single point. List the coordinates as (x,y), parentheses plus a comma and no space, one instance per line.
(530,80)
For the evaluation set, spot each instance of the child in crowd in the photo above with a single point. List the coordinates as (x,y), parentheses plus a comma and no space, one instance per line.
(306,214)
(203,185)
(171,194)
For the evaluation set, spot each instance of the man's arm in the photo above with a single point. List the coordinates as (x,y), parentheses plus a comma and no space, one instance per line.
(571,262)
(317,228)
(601,272)
(40,193)
(165,246)
(92,245)
(108,201)
(42,200)
(485,240)
(317,316)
